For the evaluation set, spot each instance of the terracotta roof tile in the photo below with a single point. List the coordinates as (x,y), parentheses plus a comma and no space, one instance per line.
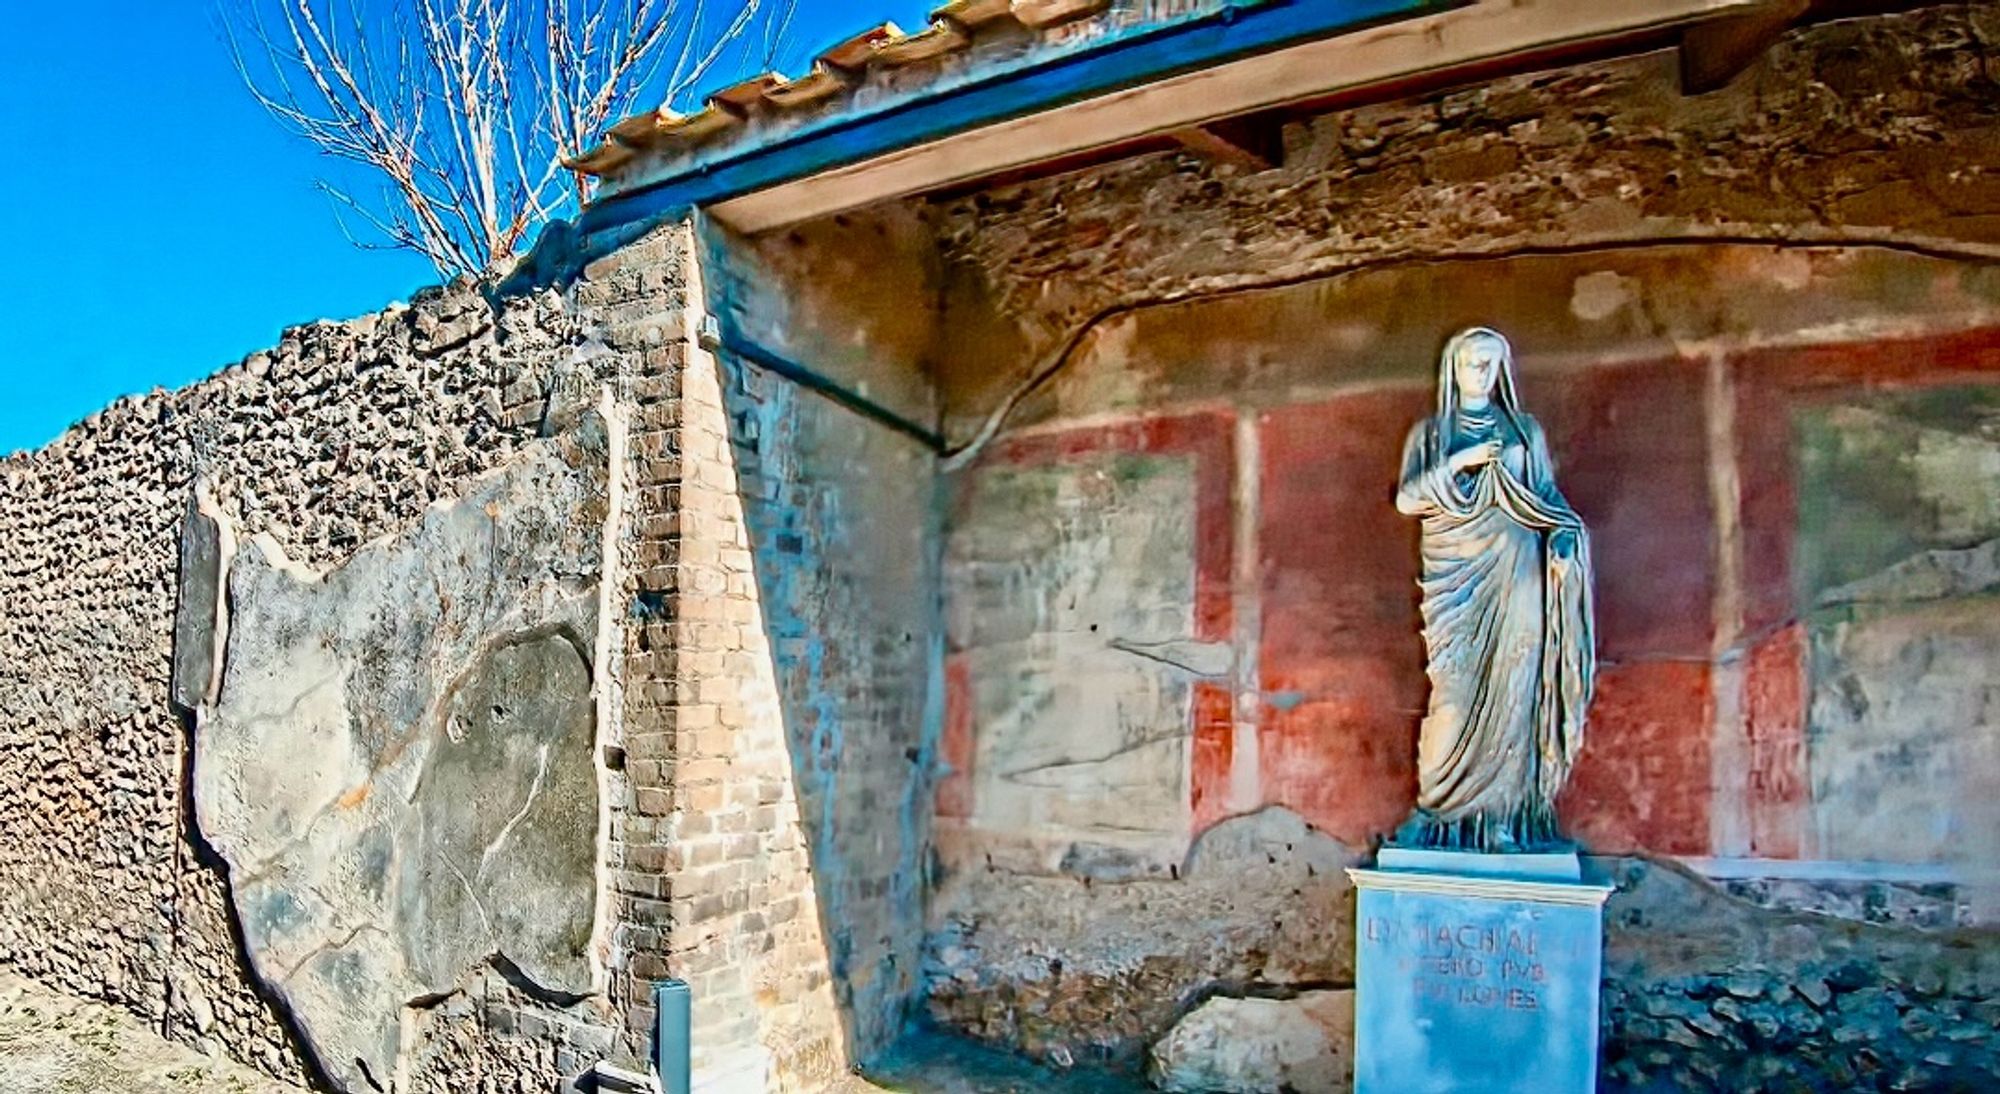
(741,97)
(955,32)
(823,82)
(974,13)
(634,130)
(603,159)
(698,126)
(935,40)
(1048,13)
(854,53)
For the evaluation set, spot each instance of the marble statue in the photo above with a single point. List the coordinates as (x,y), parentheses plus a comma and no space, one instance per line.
(1508,628)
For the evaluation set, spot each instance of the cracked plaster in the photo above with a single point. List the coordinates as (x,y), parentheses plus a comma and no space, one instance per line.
(399,766)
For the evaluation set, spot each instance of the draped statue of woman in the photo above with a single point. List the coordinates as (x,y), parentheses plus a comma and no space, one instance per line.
(1507,612)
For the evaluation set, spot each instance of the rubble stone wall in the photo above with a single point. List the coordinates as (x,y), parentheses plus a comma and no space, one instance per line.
(1704,991)
(1871,129)
(339,435)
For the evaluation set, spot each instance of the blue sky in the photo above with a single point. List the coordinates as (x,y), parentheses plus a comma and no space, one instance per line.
(163,226)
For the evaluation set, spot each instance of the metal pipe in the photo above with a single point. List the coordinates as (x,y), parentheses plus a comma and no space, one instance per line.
(673,1005)
(716,342)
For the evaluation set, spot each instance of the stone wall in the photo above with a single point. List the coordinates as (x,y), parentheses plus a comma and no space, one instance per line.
(1759,325)
(1704,992)
(340,435)
(513,645)
(840,515)
(1877,129)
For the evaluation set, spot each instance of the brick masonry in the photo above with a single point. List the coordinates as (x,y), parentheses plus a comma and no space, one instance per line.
(841,518)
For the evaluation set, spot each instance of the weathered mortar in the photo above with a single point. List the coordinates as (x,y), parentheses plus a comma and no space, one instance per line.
(400,764)
(342,433)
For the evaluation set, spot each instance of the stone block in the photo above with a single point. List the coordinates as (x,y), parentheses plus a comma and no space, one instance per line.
(1104,967)
(1477,974)
(200,614)
(1302,1045)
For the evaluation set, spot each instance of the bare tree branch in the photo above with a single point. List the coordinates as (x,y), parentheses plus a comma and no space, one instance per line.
(466,109)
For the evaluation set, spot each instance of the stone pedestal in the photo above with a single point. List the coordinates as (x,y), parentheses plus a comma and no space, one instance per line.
(1477,974)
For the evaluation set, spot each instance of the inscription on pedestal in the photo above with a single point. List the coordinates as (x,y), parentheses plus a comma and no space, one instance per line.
(1465,964)
(1476,983)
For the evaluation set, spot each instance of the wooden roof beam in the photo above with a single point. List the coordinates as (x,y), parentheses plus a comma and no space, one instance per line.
(1713,54)
(1253,142)
(1484,35)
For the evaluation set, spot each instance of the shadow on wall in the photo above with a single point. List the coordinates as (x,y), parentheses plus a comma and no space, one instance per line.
(841,525)
(842,534)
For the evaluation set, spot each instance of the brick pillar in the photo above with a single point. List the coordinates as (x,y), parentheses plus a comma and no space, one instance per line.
(713,882)
(638,292)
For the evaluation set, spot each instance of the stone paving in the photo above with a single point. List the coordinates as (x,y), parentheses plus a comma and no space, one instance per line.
(934,1063)
(54,1044)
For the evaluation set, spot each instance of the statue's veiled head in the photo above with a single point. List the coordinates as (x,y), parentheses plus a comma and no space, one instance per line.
(1477,365)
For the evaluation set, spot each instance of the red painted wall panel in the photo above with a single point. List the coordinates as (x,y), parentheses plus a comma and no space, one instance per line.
(954,790)
(1210,438)
(1643,781)
(1214,753)
(1340,657)
(1631,449)
(1342,661)
(1775,702)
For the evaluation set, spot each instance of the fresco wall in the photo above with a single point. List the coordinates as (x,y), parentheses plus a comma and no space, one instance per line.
(1736,495)
(1730,309)
(1181,601)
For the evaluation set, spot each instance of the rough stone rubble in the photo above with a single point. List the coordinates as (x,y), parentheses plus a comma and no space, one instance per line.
(340,434)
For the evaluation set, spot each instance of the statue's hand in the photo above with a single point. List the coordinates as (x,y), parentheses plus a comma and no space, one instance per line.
(1465,459)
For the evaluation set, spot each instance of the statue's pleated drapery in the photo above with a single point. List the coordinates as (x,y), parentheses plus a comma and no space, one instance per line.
(1508,627)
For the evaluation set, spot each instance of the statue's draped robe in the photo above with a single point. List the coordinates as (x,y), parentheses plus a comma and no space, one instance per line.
(1508,628)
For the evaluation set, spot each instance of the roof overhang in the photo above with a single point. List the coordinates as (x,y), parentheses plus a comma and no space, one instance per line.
(1238,62)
